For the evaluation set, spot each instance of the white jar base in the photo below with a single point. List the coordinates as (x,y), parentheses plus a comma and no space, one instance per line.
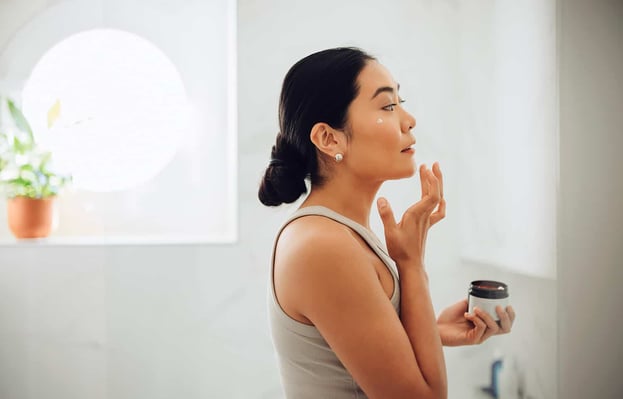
(488,305)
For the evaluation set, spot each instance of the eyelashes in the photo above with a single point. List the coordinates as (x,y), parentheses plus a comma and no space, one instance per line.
(390,107)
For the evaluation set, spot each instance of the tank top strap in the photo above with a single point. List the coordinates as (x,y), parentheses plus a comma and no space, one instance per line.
(318,210)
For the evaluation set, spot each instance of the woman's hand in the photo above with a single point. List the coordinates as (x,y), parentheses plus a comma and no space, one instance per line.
(406,240)
(457,327)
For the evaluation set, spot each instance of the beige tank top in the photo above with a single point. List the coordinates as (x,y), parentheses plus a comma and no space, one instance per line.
(308,366)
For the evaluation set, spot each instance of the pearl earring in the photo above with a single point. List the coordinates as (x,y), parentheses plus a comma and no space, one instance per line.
(339,157)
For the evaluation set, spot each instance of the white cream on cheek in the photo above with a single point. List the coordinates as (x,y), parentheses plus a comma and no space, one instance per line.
(379,120)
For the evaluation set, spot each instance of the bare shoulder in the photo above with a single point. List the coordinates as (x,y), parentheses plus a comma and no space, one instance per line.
(314,255)
(315,248)
(313,236)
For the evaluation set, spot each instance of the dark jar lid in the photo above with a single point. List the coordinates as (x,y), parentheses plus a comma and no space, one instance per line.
(488,289)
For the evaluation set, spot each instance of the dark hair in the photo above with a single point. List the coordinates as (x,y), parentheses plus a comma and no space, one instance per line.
(318,88)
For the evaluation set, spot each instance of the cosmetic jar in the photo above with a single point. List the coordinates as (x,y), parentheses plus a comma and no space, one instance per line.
(486,295)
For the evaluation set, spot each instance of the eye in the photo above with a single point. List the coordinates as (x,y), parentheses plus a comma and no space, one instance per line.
(391,107)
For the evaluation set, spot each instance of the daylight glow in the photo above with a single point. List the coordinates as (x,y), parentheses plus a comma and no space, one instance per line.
(123,108)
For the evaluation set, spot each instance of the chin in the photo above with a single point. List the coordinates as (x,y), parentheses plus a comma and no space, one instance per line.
(403,174)
(407,175)
(410,171)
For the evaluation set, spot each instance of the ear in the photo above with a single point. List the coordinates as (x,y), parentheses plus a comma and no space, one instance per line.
(327,140)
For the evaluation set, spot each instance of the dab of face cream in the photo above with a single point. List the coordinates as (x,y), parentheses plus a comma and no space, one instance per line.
(379,120)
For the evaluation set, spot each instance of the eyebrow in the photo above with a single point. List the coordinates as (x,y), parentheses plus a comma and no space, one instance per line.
(385,89)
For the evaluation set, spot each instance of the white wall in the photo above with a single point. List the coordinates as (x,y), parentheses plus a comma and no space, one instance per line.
(590,271)
(189,321)
(507,124)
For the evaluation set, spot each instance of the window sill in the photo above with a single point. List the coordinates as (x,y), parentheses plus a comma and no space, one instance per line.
(116,241)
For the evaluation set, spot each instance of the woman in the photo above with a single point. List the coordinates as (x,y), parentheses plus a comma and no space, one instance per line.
(349,318)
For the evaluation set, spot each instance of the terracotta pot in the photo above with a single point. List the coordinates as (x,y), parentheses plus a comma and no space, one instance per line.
(29,217)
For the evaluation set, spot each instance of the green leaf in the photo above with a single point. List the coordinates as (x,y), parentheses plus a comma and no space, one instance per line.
(27,167)
(20,147)
(17,146)
(43,166)
(20,119)
(19,181)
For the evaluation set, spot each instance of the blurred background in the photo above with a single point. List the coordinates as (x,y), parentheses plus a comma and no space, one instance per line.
(156,288)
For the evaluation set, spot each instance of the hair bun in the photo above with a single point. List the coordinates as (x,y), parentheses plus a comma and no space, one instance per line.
(283,182)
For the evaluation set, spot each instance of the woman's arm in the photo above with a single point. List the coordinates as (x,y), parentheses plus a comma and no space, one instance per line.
(406,243)
(416,311)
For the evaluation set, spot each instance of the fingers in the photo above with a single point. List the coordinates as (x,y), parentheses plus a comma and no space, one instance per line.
(486,326)
(441,208)
(434,188)
(439,176)
(479,328)
(461,305)
(386,214)
(440,214)
(430,188)
(506,321)
(492,326)
(511,313)
(423,181)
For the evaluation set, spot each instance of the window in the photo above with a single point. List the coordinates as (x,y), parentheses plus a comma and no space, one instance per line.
(123,110)
(147,123)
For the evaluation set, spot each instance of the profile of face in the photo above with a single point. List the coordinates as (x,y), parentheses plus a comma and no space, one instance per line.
(337,101)
(380,143)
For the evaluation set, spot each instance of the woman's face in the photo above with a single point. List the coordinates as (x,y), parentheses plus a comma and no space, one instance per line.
(381,144)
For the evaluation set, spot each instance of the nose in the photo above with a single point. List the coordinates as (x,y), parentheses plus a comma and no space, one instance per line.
(408,122)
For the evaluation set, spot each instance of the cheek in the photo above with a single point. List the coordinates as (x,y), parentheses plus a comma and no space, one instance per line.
(377,148)
(375,134)
(387,135)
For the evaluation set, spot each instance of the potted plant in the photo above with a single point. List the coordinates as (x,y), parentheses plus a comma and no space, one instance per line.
(25,176)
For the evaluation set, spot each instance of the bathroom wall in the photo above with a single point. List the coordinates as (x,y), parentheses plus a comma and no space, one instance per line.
(141,321)
(590,272)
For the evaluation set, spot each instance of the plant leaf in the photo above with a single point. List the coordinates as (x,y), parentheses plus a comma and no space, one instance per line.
(20,182)
(27,167)
(18,146)
(20,119)
(43,165)
(54,113)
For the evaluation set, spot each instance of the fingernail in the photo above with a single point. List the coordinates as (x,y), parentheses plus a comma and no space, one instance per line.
(382,203)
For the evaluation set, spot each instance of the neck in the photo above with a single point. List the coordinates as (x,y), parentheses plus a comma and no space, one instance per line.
(346,196)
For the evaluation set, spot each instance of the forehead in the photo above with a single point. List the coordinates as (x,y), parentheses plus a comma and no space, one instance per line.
(373,76)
